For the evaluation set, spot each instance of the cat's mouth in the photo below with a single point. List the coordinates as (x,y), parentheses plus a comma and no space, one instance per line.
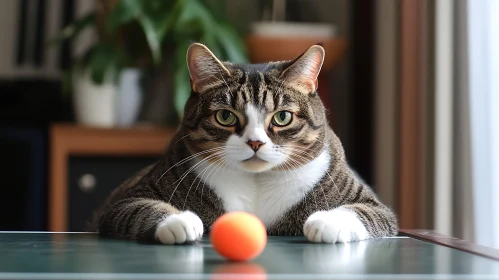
(255,158)
(255,164)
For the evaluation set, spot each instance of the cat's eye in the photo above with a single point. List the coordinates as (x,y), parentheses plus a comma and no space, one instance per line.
(282,118)
(226,118)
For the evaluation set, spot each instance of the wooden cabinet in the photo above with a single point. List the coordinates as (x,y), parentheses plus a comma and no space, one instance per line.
(86,164)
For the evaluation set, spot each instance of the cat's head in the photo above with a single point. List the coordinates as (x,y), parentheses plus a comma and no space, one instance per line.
(255,117)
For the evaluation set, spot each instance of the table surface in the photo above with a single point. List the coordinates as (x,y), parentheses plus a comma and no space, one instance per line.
(40,255)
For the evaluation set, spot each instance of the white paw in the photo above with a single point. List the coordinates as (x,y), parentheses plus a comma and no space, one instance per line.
(338,225)
(179,228)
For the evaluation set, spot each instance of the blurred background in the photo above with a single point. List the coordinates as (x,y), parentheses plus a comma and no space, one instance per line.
(92,90)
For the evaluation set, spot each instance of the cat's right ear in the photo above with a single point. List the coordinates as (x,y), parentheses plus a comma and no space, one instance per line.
(205,69)
(302,74)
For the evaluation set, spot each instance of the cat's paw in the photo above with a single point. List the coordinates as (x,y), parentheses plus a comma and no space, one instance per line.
(338,225)
(179,228)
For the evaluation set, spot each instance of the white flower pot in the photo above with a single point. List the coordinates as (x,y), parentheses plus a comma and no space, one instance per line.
(129,97)
(94,104)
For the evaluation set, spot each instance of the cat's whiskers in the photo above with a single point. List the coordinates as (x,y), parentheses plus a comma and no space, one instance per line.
(206,169)
(218,153)
(281,165)
(318,140)
(216,170)
(226,162)
(186,160)
(193,167)
(198,176)
(327,172)
(312,157)
(181,138)
(294,164)
(290,170)
(186,173)
(322,189)
(191,157)
(291,152)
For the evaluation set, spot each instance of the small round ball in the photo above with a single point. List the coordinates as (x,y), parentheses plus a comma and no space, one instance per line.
(238,236)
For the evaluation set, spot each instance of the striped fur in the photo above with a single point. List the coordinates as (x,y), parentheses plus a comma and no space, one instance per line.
(338,204)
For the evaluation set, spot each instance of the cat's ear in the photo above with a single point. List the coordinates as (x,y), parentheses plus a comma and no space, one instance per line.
(204,68)
(303,72)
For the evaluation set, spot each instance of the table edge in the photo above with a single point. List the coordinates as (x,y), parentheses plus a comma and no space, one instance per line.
(430,236)
(452,242)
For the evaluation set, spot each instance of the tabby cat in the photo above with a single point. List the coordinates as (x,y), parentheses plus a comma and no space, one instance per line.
(253,138)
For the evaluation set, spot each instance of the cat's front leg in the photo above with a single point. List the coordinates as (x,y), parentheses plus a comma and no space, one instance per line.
(149,220)
(179,228)
(338,225)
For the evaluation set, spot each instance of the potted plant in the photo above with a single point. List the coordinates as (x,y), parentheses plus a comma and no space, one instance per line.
(168,28)
(104,80)
(282,34)
(274,37)
(152,35)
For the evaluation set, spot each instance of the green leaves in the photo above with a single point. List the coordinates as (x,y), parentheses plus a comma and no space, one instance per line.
(181,79)
(166,28)
(103,61)
(232,44)
(153,37)
(73,30)
(196,23)
(194,13)
(123,12)
(156,17)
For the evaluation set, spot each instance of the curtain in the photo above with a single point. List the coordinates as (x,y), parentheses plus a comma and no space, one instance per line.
(462,207)
(386,69)
(437,115)
(483,61)
(466,157)
(444,48)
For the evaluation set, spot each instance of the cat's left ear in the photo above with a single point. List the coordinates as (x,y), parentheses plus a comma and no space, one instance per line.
(303,72)
(205,69)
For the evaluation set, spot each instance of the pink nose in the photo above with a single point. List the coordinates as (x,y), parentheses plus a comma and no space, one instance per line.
(255,145)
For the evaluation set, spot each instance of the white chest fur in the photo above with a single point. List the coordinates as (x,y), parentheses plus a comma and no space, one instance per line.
(267,195)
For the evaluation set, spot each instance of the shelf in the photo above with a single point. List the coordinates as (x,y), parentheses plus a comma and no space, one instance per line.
(71,139)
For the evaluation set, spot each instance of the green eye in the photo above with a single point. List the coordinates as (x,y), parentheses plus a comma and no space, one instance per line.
(226,118)
(282,118)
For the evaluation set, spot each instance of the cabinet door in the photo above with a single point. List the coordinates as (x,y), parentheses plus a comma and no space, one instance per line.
(92,179)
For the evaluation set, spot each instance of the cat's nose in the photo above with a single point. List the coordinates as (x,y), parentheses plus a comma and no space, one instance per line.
(255,145)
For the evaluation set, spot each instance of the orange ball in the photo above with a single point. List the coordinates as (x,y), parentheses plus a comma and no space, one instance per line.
(238,236)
